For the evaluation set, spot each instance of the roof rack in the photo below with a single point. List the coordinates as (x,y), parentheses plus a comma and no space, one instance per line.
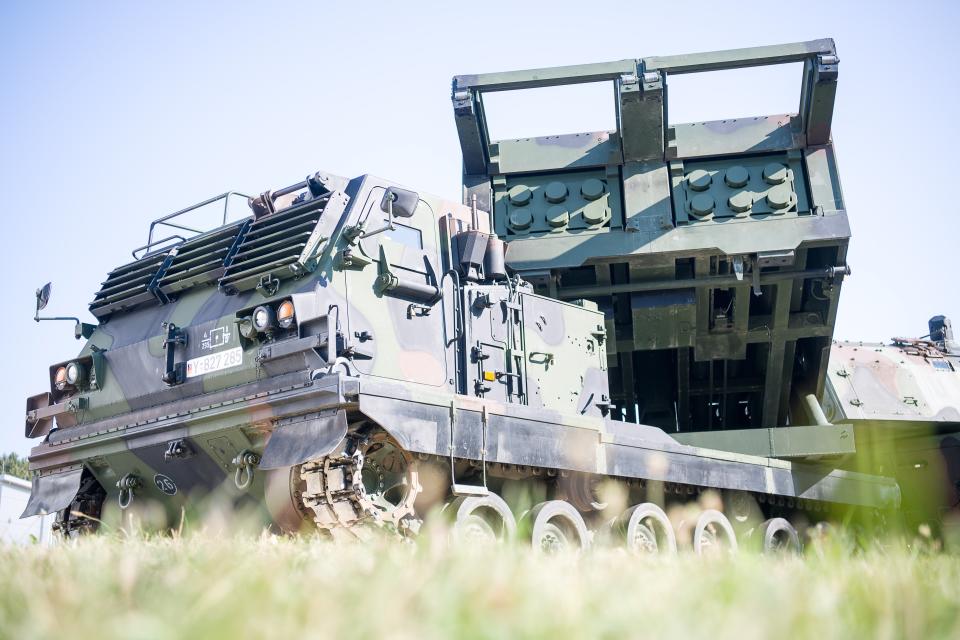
(164,221)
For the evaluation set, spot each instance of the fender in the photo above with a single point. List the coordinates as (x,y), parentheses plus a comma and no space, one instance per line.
(53,492)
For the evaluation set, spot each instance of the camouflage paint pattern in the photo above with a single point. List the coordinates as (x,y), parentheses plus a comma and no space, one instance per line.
(903,400)
(396,327)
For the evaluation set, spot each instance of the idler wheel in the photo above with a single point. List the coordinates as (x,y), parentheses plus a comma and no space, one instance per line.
(557,527)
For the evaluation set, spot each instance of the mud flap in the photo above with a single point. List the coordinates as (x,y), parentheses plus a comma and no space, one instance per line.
(52,493)
(297,441)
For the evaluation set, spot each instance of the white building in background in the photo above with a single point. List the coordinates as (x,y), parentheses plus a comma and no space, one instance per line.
(14,493)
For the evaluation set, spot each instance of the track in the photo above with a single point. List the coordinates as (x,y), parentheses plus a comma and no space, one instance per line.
(365,484)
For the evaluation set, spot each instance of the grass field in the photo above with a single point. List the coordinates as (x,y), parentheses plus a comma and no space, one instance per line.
(206,586)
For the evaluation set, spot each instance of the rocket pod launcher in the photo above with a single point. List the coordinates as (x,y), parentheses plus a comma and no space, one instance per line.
(717,250)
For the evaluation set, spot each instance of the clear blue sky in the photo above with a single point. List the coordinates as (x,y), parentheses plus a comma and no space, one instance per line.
(114,113)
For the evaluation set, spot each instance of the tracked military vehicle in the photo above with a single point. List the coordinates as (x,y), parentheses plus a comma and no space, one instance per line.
(650,308)
(902,399)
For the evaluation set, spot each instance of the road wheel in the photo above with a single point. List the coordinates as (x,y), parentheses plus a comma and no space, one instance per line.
(556,526)
(481,520)
(645,528)
(779,536)
(713,534)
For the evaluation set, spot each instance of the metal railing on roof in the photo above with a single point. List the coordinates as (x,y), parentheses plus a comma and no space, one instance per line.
(164,221)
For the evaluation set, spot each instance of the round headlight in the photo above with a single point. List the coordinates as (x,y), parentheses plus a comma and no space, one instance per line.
(60,379)
(285,314)
(263,318)
(75,373)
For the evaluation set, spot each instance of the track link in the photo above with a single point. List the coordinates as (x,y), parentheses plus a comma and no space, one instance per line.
(337,497)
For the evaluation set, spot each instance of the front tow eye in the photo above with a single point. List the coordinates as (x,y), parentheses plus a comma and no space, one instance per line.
(245,462)
(127,485)
(176,372)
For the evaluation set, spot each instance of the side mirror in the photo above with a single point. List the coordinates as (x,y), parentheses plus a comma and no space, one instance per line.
(396,203)
(80,330)
(400,203)
(43,297)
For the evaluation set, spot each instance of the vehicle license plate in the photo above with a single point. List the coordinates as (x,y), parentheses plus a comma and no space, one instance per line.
(215,362)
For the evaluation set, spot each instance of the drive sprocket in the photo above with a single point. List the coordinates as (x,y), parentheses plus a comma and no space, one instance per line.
(366,483)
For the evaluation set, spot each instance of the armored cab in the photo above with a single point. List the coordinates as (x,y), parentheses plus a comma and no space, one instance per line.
(716,250)
(243,347)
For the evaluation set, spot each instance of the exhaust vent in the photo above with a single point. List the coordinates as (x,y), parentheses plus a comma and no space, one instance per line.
(202,259)
(280,245)
(132,284)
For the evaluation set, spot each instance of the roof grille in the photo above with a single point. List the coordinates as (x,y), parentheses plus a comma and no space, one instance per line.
(277,246)
(132,284)
(243,255)
(202,259)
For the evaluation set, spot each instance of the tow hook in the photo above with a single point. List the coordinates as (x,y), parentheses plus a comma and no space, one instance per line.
(127,485)
(245,463)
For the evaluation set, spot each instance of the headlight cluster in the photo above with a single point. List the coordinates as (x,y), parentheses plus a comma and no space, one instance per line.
(263,318)
(70,376)
(268,318)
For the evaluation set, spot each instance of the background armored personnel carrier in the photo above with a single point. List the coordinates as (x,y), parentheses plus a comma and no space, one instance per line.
(650,307)
(903,401)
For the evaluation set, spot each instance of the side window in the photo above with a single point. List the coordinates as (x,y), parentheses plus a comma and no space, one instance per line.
(405,235)
(404,243)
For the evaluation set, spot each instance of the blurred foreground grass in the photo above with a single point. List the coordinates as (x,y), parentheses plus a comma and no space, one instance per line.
(205,586)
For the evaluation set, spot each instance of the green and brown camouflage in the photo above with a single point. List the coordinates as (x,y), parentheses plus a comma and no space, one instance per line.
(903,401)
(586,300)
